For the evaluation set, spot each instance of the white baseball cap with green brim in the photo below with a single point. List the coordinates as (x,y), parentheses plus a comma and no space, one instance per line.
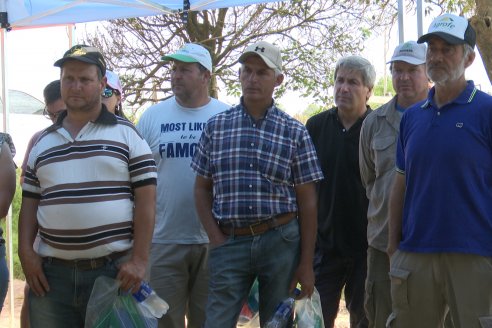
(191,53)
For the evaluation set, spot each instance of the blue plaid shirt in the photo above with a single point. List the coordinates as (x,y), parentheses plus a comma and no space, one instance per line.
(255,165)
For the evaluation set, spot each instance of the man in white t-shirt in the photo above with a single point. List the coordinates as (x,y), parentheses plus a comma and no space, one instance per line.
(180,244)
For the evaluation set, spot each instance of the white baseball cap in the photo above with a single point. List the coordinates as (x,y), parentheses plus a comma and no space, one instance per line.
(410,52)
(113,81)
(192,53)
(267,51)
(452,29)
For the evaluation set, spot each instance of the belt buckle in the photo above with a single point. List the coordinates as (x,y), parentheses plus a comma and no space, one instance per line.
(252,226)
(94,264)
(88,264)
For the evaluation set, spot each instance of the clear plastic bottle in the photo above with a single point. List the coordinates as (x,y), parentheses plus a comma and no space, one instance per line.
(284,312)
(151,301)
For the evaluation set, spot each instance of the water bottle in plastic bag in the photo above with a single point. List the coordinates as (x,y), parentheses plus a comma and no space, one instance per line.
(284,312)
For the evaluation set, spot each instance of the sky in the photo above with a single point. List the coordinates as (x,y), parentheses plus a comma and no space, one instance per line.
(30,54)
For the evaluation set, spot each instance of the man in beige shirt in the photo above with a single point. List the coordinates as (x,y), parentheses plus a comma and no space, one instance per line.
(377,150)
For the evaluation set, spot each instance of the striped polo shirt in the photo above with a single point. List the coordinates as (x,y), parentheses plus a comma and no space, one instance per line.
(85,186)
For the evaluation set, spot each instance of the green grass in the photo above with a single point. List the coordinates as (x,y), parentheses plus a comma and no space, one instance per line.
(18,273)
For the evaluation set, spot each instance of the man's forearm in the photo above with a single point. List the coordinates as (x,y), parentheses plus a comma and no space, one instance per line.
(143,222)
(396,213)
(308,221)
(28,226)
(203,202)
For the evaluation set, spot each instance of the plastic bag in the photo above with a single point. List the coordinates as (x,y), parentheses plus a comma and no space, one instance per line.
(249,316)
(308,313)
(107,307)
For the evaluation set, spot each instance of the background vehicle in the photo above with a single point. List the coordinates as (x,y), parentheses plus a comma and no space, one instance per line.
(25,118)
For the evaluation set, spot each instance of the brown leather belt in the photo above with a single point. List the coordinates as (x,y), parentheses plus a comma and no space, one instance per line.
(259,227)
(86,264)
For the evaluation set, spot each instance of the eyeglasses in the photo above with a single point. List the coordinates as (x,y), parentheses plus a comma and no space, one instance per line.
(51,116)
(108,93)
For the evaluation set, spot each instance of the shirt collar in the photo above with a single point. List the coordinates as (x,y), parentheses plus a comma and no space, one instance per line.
(465,97)
(270,110)
(362,117)
(105,118)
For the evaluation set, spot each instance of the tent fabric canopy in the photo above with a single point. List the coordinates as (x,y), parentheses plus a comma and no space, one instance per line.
(37,13)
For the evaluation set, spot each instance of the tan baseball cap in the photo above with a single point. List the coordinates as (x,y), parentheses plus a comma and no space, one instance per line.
(268,52)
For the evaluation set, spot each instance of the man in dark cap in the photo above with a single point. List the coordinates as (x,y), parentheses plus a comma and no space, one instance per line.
(440,222)
(89,190)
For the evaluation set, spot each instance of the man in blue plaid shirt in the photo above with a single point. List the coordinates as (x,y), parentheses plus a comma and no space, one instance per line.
(256,197)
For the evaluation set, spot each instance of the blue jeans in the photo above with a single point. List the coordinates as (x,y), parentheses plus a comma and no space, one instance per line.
(335,273)
(4,276)
(66,302)
(272,257)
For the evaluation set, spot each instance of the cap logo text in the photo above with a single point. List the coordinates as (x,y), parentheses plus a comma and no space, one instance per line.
(260,49)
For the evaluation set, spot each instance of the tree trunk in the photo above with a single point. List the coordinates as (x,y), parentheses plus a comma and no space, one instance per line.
(482,23)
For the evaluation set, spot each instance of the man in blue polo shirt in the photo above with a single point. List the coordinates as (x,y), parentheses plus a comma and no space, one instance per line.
(441,205)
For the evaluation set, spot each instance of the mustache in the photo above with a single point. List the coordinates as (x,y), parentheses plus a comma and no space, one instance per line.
(430,66)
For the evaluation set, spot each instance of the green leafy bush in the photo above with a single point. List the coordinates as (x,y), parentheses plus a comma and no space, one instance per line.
(16,203)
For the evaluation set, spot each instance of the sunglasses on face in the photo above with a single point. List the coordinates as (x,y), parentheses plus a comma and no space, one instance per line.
(51,116)
(108,93)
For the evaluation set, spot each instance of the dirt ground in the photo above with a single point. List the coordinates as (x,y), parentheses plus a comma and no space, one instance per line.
(6,320)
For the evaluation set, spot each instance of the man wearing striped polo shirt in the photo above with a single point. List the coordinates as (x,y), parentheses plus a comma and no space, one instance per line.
(89,190)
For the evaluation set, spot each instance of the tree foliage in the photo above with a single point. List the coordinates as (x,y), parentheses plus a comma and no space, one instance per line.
(384,88)
(311,34)
(438,7)
(482,23)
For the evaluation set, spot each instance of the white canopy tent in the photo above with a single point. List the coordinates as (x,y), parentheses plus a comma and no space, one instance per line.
(52,12)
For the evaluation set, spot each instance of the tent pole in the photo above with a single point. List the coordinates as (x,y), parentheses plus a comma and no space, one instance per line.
(10,252)
(420,30)
(5,127)
(401,13)
(4,25)
(70,34)
(4,81)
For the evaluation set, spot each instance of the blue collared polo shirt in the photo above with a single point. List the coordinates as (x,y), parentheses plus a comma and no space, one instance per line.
(446,156)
